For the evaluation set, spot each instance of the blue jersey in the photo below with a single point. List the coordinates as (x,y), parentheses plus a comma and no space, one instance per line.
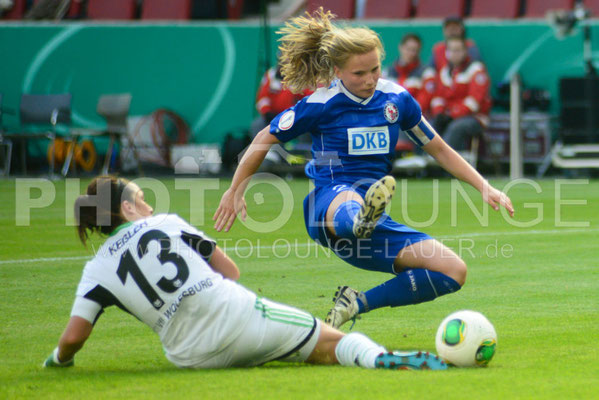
(352,138)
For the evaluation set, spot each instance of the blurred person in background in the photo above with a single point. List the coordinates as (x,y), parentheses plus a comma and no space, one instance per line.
(461,104)
(452,27)
(273,98)
(409,72)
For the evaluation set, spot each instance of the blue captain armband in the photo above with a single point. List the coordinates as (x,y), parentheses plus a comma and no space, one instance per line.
(422,133)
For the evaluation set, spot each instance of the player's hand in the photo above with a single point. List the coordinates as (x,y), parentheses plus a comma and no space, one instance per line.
(497,198)
(53,361)
(230,205)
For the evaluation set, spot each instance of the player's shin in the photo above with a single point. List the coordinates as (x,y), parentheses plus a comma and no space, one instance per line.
(356,349)
(411,286)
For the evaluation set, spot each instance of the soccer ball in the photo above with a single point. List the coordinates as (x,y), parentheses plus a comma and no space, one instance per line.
(466,339)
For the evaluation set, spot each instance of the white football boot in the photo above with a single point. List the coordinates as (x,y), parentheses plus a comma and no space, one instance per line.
(376,199)
(345,308)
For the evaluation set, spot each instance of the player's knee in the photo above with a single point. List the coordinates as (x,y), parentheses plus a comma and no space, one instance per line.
(324,351)
(459,271)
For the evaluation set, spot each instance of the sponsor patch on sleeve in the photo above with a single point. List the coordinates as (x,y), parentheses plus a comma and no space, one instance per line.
(286,120)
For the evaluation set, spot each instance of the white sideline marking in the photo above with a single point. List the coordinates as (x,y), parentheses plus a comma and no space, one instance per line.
(43,259)
(300,245)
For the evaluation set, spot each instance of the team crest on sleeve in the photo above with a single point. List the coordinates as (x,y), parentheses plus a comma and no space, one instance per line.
(286,120)
(391,113)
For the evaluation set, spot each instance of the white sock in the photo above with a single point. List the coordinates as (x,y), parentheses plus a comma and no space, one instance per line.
(356,349)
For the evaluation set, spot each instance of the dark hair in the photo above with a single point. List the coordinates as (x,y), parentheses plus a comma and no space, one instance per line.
(99,210)
(453,20)
(410,36)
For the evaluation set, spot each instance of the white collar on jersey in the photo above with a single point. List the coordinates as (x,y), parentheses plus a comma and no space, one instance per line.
(353,96)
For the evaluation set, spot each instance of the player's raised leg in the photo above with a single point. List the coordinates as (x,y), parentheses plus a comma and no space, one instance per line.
(356,349)
(425,270)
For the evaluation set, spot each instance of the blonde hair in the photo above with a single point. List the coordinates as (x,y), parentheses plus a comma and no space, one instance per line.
(312,45)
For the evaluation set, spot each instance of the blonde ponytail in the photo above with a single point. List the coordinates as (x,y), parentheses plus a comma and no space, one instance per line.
(312,45)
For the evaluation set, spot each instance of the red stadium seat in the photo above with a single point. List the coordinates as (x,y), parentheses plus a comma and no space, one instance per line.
(234,9)
(111,9)
(344,9)
(75,9)
(592,5)
(388,9)
(160,9)
(495,9)
(17,11)
(440,9)
(539,8)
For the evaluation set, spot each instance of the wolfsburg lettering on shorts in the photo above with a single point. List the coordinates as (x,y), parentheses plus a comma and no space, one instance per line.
(126,237)
(190,291)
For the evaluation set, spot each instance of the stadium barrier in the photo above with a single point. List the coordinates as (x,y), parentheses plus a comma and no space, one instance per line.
(209,72)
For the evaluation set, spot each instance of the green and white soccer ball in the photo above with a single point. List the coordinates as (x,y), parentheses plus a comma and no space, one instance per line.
(466,339)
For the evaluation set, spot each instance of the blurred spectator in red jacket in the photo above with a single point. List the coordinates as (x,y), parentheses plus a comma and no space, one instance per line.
(273,98)
(462,101)
(410,73)
(452,26)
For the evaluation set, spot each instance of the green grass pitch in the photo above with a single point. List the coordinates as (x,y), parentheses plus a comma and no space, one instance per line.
(537,283)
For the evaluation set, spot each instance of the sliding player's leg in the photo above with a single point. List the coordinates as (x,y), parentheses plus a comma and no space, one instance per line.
(356,349)
(278,332)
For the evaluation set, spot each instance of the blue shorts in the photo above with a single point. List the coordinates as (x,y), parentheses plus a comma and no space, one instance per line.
(374,254)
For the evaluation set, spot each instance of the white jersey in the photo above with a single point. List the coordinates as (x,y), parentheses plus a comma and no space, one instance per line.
(156,269)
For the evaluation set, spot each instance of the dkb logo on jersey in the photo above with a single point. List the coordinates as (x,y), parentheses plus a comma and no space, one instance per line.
(373,140)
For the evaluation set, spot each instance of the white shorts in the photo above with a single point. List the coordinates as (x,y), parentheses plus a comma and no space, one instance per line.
(274,332)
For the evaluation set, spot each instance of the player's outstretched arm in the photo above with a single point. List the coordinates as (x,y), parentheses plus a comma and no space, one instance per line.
(232,202)
(453,163)
(74,336)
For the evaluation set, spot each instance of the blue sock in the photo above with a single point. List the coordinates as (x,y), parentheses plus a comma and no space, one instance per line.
(411,286)
(344,218)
